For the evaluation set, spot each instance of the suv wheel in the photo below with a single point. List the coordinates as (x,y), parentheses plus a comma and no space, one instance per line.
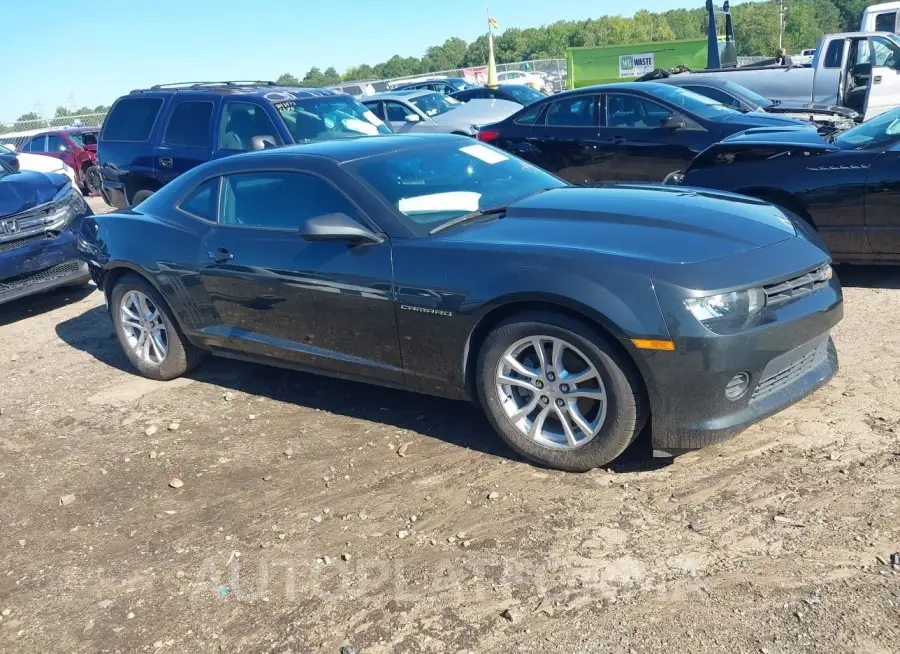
(557,393)
(92,180)
(147,332)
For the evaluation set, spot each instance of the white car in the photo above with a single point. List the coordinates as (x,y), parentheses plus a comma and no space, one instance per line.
(804,58)
(534,80)
(41,163)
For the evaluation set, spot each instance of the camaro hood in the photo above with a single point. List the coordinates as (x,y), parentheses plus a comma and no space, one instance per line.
(656,223)
(27,189)
(479,112)
(802,136)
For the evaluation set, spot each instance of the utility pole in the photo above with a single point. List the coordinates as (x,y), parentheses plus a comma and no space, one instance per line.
(780,23)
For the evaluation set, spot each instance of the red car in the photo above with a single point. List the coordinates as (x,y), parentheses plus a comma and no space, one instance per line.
(76,146)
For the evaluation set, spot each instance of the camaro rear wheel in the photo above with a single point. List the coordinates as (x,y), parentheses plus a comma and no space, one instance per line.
(147,332)
(558,393)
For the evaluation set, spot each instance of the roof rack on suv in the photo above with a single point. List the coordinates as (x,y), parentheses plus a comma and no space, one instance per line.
(192,85)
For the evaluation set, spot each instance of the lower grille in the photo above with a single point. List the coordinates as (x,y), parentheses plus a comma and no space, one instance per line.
(791,373)
(46,275)
(9,246)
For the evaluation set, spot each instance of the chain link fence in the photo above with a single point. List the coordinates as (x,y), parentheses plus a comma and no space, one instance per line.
(551,71)
(16,133)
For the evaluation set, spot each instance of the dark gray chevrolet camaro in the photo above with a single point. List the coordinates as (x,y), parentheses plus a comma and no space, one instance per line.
(445,266)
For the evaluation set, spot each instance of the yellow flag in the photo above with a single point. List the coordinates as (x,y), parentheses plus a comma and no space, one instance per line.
(494,23)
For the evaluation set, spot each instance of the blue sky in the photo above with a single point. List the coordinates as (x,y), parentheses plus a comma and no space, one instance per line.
(92,53)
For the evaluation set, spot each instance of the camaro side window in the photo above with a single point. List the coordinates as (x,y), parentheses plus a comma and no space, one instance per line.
(202,201)
(279,200)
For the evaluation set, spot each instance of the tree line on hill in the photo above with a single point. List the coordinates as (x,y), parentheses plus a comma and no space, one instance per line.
(755,28)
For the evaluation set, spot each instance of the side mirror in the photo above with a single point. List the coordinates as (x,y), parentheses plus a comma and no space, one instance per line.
(337,227)
(412,118)
(673,122)
(262,142)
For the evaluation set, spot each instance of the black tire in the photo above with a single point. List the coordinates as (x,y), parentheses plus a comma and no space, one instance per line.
(92,180)
(626,411)
(139,197)
(182,356)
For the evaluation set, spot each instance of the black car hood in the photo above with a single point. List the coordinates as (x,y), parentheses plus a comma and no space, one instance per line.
(761,119)
(24,190)
(812,108)
(801,136)
(655,223)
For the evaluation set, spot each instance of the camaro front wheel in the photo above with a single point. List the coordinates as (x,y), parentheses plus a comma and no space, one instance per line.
(557,393)
(147,331)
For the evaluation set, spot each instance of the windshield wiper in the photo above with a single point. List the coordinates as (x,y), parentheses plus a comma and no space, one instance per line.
(466,217)
(491,211)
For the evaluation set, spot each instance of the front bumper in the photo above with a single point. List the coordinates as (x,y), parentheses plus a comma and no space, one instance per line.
(40,263)
(787,357)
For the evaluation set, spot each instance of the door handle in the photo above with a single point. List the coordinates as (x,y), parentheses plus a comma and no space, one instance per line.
(221,255)
(877,80)
(165,162)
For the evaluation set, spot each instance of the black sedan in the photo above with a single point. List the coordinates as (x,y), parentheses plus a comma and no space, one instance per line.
(847,185)
(441,265)
(620,132)
(445,85)
(518,93)
(828,118)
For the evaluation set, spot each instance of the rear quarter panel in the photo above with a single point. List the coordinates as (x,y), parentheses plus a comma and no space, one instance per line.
(165,251)
(130,163)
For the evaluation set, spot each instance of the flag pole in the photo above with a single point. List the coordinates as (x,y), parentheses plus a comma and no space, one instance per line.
(492,64)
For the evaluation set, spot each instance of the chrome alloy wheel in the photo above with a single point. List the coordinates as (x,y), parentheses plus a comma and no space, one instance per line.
(551,392)
(145,330)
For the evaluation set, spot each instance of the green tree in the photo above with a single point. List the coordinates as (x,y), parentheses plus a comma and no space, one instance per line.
(31,115)
(286,79)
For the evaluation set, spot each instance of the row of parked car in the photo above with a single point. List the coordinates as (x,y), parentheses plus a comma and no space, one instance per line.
(501,268)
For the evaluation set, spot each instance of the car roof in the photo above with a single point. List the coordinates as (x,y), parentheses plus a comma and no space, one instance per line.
(360,147)
(402,94)
(270,91)
(613,86)
(701,80)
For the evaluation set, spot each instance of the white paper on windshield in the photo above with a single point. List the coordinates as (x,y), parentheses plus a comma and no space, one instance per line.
(450,201)
(487,155)
(360,126)
(372,118)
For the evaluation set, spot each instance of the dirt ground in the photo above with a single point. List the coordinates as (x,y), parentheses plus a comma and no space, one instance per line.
(314,514)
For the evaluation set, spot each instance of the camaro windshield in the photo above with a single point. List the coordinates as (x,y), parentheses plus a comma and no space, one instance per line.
(440,182)
(328,118)
(434,104)
(880,131)
(693,103)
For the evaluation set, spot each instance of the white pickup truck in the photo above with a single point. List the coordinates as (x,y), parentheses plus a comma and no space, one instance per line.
(857,70)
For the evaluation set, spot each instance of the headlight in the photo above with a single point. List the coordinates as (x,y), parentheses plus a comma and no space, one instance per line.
(728,311)
(67,206)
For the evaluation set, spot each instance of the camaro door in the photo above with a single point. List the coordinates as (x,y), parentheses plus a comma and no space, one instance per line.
(883,203)
(884,82)
(325,305)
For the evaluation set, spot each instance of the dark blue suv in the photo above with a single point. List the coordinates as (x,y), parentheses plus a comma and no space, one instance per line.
(153,135)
